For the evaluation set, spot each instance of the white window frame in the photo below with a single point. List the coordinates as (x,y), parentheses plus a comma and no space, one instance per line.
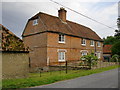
(83,42)
(98,44)
(35,22)
(98,54)
(62,38)
(61,56)
(92,42)
(83,53)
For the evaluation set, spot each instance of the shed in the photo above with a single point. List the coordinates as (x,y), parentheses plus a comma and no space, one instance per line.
(15,59)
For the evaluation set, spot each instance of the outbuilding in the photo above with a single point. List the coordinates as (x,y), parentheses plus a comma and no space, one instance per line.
(15,59)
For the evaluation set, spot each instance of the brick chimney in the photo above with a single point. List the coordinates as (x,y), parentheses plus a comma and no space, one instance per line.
(62,14)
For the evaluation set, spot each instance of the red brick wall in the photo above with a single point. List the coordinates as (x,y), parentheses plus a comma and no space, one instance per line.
(72,45)
(38,51)
(45,45)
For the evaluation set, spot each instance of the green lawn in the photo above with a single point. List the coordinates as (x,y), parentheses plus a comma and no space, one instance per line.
(34,79)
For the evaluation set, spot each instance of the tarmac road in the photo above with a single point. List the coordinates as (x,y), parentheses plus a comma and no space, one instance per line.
(107,79)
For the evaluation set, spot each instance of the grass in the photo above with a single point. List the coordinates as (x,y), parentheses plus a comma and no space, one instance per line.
(34,79)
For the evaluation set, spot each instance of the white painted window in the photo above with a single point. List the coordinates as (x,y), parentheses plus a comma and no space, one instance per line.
(84,53)
(92,42)
(61,56)
(61,39)
(98,55)
(83,42)
(98,44)
(35,22)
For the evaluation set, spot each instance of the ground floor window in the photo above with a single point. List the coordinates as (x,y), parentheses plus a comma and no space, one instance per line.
(84,53)
(98,55)
(61,56)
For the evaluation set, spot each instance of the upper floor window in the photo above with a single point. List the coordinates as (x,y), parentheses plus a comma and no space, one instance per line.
(98,44)
(61,38)
(35,22)
(83,42)
(91,43)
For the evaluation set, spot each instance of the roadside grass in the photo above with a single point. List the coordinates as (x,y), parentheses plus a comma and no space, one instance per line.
(34,79)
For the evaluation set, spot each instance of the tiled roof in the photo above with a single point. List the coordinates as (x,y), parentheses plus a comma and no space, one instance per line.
(54,24)
(9,41)
(107,48)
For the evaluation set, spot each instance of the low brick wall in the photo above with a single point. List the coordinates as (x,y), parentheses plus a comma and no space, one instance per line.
(15,65)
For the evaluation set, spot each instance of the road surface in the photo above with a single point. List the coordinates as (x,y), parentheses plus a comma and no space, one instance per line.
(107,79)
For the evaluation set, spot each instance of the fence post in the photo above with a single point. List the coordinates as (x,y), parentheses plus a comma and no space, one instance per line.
(60,67)
(66,66)
(40,71)
(100,63)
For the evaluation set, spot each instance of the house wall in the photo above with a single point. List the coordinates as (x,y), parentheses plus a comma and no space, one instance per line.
(38,51)
(44,48)
(15,65)
(72,45)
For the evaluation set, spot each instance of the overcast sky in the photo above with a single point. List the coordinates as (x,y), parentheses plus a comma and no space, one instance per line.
(15,13)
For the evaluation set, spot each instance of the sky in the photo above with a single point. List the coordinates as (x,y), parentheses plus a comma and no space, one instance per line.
(15,13)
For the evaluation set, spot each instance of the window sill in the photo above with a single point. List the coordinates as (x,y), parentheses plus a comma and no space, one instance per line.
(98,46)
(61,60)
(35,24)
(61,42)
(83,44)
(92,45)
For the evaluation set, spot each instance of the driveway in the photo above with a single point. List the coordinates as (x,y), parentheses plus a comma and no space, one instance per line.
(107,79)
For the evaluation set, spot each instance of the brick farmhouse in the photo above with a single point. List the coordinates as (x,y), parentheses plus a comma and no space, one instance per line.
(55,39)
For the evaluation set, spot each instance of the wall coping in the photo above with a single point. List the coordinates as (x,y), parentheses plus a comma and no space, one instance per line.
(14,51)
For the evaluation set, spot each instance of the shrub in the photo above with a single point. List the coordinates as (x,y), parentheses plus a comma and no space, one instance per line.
(90,59)
(115,58)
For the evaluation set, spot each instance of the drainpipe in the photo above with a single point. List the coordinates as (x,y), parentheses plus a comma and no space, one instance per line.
(95,48)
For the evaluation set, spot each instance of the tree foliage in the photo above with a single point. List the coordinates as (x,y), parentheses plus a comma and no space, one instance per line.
(114,40)
(117,34)
(110,40)
(116,48)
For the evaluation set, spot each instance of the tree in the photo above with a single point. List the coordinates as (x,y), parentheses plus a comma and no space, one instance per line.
(118,22)
(116,48)
(117,32)
(90,59)
(110,40)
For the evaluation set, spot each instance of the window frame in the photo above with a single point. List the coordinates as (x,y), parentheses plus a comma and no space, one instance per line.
(35,22)
(98,44)
(85,53)
(61,54)
(92,43)
(83,42)
(98,55)
(61,38)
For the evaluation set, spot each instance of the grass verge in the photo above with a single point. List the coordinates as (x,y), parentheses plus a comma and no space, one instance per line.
(50,77)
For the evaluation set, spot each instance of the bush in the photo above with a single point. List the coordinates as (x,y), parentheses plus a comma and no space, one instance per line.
(115,58)
(90,59)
